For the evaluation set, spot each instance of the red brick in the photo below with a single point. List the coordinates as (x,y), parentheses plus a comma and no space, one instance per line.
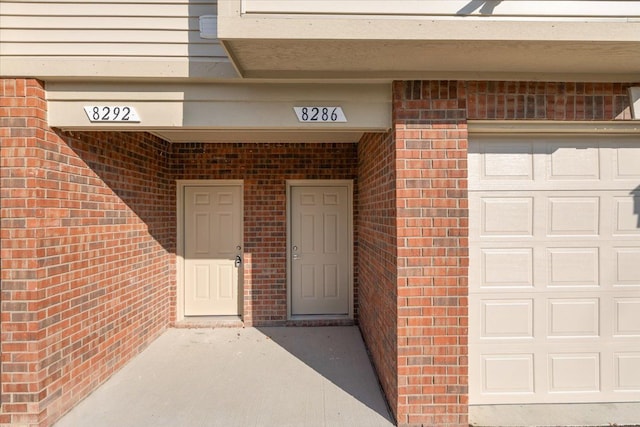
(73,201)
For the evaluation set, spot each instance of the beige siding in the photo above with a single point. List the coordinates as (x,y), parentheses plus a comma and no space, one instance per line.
(199,112)
(110,38)
(520,8)
(554,40)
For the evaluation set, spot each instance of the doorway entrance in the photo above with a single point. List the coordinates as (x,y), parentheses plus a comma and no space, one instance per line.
(320,248)
(213,216)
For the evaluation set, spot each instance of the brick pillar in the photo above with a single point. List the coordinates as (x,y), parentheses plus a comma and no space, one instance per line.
(429,123)
(22,130)
(88,233)
(377,264)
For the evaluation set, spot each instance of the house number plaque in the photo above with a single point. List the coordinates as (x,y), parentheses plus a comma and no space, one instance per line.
(111,113)
(320,114)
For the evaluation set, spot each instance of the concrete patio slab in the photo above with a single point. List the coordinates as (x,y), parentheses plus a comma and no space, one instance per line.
(242,377)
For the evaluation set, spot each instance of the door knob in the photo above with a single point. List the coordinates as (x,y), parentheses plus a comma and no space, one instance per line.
(238,261)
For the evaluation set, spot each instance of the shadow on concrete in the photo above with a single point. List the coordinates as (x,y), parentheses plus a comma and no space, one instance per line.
(239,377)
(339,355)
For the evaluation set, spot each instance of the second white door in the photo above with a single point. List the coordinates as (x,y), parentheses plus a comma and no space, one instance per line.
(320,250)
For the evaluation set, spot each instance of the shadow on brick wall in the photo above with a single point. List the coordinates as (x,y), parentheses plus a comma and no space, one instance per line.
(121,183)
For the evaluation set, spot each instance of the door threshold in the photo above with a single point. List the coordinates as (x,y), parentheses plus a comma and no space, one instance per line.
(210,322)
(320,320)
(318,316)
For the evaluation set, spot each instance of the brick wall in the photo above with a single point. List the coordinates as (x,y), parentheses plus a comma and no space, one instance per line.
(88,238)
(430,135)
(88,244)
(112,240)
(377,236)
(86,255)
(547,101)
(431,149)
(265,168)
(22,127)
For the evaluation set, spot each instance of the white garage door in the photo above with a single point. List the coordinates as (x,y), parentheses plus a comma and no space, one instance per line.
(554,269)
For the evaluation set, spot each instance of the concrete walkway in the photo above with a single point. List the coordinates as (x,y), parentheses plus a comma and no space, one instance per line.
(241,377)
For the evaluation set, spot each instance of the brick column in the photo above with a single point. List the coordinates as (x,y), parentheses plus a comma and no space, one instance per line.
(377,266)
(22,129)
(88,233)
(432,241)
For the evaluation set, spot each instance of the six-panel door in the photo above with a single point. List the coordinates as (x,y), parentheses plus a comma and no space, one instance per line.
(320,250)
(213,241)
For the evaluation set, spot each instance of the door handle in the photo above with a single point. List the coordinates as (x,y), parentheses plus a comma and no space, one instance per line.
(238,261)
(296,256)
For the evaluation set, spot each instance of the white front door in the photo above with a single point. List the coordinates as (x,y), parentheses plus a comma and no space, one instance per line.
(213,241)
(320,250)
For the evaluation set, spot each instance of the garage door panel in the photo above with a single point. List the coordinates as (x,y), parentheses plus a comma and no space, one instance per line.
(574,267)
(627,317)
(627,371)
(507,267)
(502,161)
(553,163)
(504,318)
(507,216)
(627,214)
(627,163)
(579,373)
(574,372)
(554,288)
(627,266)
(556,214)
(569,162)
(574,317)
(508,374)
(573,216)
(558,266)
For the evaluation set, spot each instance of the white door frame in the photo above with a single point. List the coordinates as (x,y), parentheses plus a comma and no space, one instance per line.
(320,183)
(180,249)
